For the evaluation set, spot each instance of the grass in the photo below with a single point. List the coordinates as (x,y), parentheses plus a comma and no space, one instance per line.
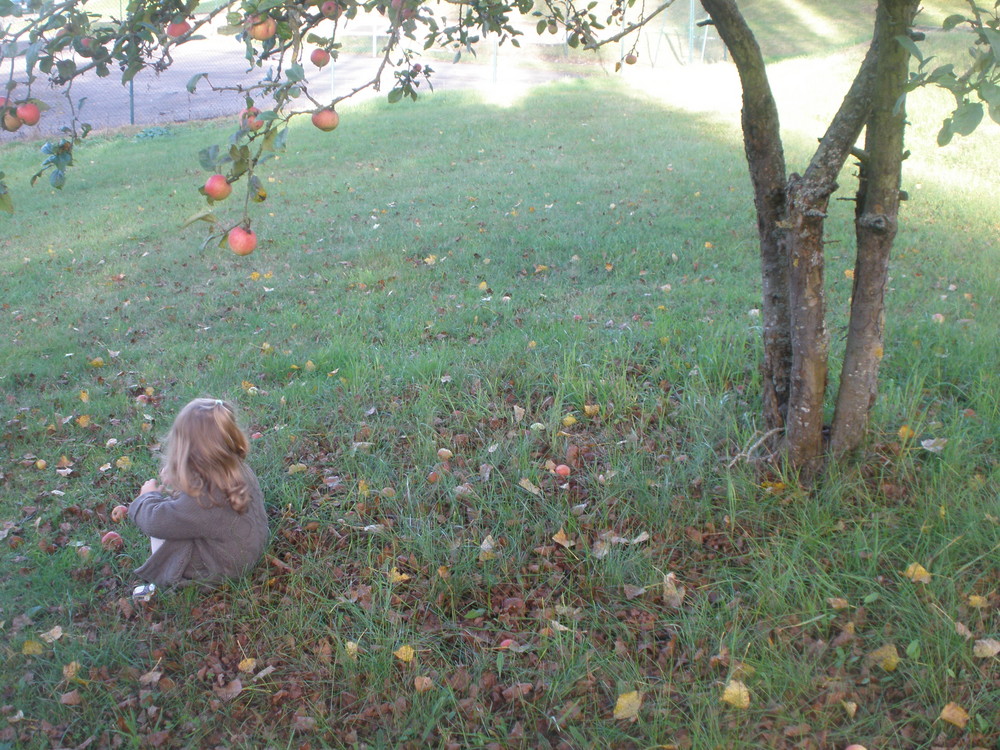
(586,252)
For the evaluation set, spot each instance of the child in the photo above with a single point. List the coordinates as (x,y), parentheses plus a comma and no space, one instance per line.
(211,525)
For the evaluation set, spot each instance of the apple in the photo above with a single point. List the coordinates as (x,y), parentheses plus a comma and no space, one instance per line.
(562,470)
(331,9)
(83,551)
(855,747)
(319,57)
(178,29)
(249,119)
(262,28)
(417,67)
(119,513)
(217,187)
(631,59)
(326,119)
(112,540)
(29,113)
(11,122)
(242,241)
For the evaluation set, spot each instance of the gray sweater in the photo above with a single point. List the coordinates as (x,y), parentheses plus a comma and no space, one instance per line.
(204,539)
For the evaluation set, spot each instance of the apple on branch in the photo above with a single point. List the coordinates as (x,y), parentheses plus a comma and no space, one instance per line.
(326,119)
(217,187)
(242,241)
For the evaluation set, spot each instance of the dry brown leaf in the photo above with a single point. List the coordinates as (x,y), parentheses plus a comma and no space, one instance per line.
(151,677)
(486,549)
(986,648)
(736,695)
(955,714)
(917,573)
(51,636)
(633,592)
(627,706)
(885,656)
(423,683)
(527,484)
(673,595)
(518,413)
(230,690)
(71,670)
(72,698)
(562,540)
(837,602)
(962,630)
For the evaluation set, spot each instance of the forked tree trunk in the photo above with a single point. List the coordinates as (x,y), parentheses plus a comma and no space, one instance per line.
(875,227)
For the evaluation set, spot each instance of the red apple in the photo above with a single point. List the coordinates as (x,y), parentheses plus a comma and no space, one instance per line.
(326,119)
(178,29)
(631,59)
(119,513)
(29,113)
(331,9)
(242,241)
(562,470)
(217,187)
(83,551)
(112,540)
(262,28)
(249,119)
(417,67)
(319,57)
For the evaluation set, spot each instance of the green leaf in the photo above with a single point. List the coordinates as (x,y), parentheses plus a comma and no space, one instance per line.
(967,118)
(295,73)
(993,37)
(952,21)
(204,215)
(945,134)
(395,95)
(910,46)
(192,84)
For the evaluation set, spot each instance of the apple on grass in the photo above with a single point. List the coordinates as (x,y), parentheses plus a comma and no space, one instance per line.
(562,470)
(242,241)
(119,513)
(217,187)
(326,119)
(112,541)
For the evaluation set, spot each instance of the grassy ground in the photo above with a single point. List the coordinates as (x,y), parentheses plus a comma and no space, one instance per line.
(570,279)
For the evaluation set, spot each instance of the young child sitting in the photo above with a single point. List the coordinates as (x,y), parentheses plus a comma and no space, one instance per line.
(211,524)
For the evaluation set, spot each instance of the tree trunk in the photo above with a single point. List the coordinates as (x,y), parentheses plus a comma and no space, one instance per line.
(875,227)
(766,159)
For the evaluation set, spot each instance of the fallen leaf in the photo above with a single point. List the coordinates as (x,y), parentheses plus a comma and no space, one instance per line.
(627,706)
(32,648)
(518,413)
(247,665)
(885,656)
(736,695)
(633,592)
(404,653)
(934,445)
(591,410)
(422,683)
(558,626)
(297,468)
(673,595)
(643,537)
(837,603)
(124,462)
(70,671)
(51,636)
(351,647)
(850,708)
(569,420)
(955,714)
(979,602)
(230,690)
(962,629)
(906,433)
(152,677)
(72,698)
(527,484)
(486,549)
(917,573)
(986,648)
(562,540)
(396,577)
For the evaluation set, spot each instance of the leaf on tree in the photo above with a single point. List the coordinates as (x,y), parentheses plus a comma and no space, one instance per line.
(627,706)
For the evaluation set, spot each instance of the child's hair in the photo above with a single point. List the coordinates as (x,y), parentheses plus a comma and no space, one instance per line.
(205,451)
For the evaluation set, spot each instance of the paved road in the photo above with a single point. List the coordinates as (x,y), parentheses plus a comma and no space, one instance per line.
(163,99)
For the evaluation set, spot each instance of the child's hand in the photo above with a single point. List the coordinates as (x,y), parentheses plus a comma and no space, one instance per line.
(150,485)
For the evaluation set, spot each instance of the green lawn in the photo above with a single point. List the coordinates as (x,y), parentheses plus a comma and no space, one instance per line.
(568,280)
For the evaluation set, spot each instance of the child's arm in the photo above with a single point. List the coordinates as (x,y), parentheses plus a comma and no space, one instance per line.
(168,517)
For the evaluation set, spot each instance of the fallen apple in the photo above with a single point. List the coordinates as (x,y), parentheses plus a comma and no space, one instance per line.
(562,470)
(112,541)
(119,513)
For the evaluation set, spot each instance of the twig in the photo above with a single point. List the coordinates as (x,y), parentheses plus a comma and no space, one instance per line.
(748,453)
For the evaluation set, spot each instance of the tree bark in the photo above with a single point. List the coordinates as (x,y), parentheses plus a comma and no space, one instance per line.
(875,228)
(766,160)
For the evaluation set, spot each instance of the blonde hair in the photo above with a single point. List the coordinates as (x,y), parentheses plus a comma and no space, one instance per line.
(205,452)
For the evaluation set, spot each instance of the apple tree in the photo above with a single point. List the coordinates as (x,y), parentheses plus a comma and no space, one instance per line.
(286,40)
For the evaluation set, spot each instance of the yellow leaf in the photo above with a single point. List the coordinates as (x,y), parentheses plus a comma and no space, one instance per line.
(352,650)
(248,665)
(404,653)
(423,683)
(850,708)
(443,573)
(979,602)
(838,603)
(124,462)
(430,260)
(591,410)
(849,273)
(83,420)
(486,549)
(71,670)
(297,468)
(84,396)
(568,421)
(917,573)
(527,484)
(886,657)
(396,577)
(736,695)
(97,362)
(562,540)
(483,286)
(310,366)
(32,648)
(627,706)
(955,714)
(255,276)
(532,344)
(609,267)
(905,433)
